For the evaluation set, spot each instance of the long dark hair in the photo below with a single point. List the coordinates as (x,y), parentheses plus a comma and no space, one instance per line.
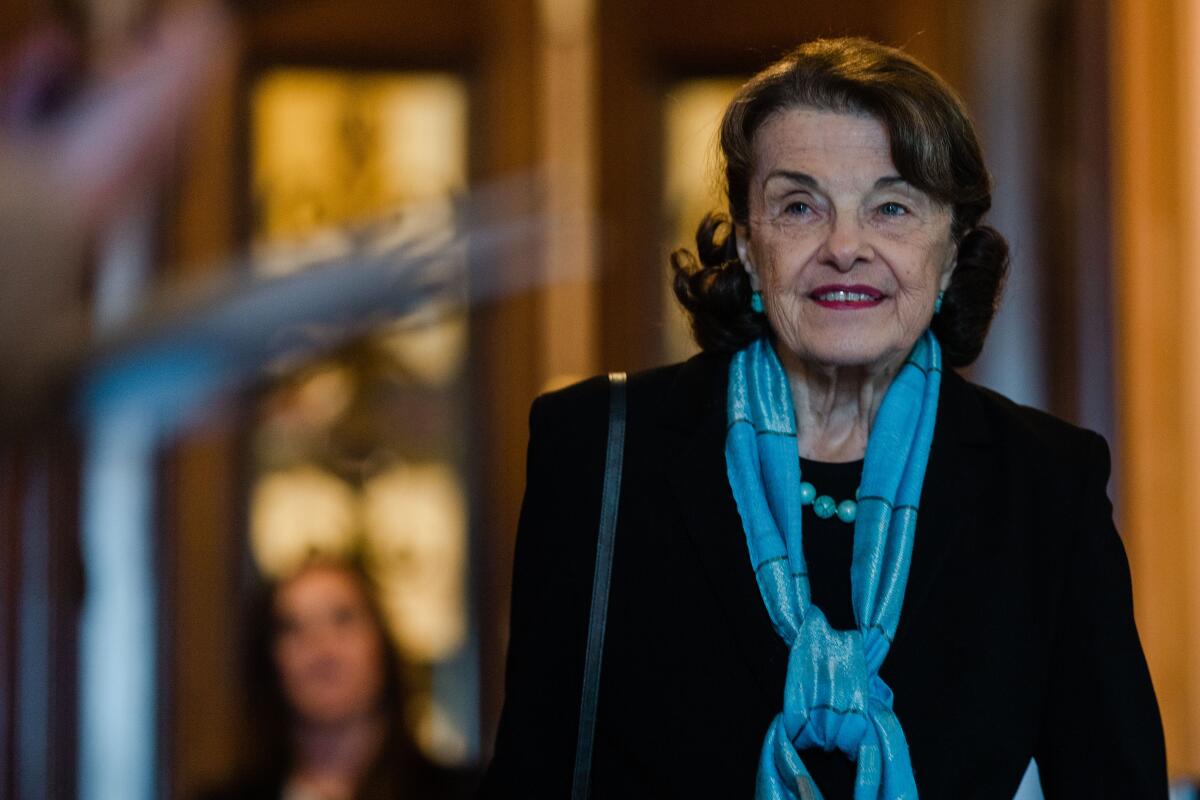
(933,145)
(268,751)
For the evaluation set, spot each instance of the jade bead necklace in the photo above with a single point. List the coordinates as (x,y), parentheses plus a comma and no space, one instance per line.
(825,506)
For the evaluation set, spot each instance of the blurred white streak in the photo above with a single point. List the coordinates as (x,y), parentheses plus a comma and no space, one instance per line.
(117,677)
(118,700)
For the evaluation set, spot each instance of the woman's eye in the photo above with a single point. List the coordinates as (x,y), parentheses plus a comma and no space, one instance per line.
(797,207)
(892,210)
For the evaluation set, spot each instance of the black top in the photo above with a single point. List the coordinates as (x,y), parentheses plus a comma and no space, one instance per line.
(1016,635)
(829,543)
(829,550)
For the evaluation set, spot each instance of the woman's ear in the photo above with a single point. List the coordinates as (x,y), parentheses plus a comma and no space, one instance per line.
(743,250)
(948,269)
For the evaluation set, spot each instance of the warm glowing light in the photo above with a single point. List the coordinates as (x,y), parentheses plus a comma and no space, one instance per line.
(692,185)
(432,351)
(332,146)
(299,512)
(416,535)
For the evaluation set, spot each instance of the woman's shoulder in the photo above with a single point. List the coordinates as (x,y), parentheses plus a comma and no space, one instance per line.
(698,380)
(1024,429)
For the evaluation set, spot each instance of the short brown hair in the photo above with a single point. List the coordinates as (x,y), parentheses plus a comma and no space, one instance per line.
(933,145)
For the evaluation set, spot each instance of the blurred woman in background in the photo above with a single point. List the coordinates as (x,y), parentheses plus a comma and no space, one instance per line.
(325,698)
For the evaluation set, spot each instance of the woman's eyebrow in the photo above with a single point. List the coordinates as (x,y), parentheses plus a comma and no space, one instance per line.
(808,181)
(891,180)
(802,178)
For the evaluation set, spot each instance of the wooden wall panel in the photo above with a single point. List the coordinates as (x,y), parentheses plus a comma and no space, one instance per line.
(201,671)
(414,31)
(1158,350)
(504,334)
(15,18)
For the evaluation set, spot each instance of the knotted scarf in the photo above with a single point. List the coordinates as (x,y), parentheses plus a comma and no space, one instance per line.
(833,697)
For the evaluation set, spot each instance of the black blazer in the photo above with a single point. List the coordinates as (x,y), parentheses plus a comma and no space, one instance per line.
(1016,638)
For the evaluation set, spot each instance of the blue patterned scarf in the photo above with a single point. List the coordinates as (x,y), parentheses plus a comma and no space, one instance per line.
(833,697)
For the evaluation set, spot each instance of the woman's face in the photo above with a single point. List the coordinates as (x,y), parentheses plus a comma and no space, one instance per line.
(849,257)
(328,649)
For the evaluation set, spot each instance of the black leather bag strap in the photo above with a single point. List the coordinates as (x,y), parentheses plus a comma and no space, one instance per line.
(610,499)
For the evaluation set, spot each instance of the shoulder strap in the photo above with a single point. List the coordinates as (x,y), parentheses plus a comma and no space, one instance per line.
(599,610)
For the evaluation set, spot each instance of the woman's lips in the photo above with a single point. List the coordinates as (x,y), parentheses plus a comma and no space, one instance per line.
(846,297)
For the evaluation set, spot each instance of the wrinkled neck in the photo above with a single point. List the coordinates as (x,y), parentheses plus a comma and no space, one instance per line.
(835,406)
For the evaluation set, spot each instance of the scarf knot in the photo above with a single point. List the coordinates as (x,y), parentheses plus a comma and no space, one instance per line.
(829,689)
(834,698)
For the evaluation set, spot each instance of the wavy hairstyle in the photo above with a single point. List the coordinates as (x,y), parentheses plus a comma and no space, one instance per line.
(933,145)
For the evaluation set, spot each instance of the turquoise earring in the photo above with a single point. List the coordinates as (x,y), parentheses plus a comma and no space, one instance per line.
(937,304)
(756,302)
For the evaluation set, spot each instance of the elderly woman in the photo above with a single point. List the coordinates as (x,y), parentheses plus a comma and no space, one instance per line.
(840,569)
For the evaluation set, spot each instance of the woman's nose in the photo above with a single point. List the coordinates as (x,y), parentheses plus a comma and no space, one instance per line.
(846,245)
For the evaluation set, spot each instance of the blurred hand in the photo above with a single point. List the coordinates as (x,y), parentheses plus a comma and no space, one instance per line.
(70,164)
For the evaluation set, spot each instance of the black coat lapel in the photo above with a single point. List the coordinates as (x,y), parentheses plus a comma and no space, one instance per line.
(695,461)
(949,496)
